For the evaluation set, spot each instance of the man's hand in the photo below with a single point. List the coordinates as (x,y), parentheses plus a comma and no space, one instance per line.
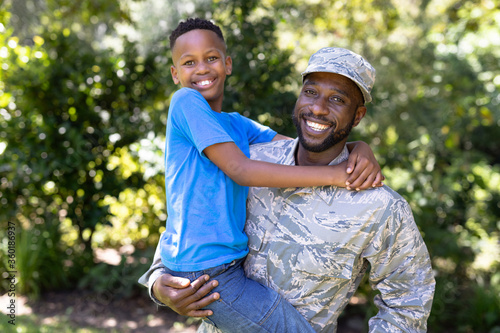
(363,167)
(184,297)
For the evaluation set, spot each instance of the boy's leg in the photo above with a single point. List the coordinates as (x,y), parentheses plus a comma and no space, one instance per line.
(248,306)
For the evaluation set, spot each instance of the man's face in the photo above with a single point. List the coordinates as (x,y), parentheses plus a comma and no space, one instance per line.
(200,63)
(329,105)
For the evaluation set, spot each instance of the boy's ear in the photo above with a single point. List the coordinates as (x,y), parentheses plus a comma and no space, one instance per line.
(229,65)
(173,71)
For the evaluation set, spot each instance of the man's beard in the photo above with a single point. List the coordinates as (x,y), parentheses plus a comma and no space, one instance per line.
(330,141)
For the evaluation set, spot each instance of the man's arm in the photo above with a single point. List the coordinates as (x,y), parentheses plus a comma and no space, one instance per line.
(177,293)
(184,298)
(401,270)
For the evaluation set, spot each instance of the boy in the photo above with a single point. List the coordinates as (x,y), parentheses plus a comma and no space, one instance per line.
(207,174)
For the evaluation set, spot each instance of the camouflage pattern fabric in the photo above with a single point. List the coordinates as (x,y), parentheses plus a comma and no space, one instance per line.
(344,62)
(313,245)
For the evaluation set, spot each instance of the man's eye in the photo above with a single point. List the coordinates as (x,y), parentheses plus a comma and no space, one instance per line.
(309,92)
(337,99)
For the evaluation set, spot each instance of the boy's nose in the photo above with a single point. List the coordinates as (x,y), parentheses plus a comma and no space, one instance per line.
(202,68)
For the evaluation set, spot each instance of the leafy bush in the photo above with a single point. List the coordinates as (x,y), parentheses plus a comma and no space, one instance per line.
(79,125)
(114,282)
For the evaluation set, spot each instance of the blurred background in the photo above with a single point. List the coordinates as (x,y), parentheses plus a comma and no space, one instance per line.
(84,94)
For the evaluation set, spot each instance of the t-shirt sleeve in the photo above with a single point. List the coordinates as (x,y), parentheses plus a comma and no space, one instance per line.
(192,117)
(257,133)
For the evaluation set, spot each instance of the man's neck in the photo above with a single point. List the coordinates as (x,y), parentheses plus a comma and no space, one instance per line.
(304,157)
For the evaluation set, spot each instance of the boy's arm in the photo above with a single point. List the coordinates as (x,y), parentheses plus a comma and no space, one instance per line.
(246,172)
(362,165)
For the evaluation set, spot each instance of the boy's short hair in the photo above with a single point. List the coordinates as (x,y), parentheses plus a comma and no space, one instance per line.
(193,24)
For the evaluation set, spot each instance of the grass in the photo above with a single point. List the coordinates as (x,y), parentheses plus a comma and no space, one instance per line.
(34,324)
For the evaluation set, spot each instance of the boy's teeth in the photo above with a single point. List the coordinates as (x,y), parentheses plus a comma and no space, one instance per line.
(204,83)
(316,126)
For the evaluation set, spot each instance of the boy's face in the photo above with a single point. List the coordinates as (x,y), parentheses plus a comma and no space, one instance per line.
(200,63)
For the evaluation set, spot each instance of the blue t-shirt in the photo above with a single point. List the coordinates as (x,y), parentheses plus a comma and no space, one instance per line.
(206,209)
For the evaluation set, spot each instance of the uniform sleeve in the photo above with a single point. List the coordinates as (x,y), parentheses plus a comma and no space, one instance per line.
(257,133)
(154,272)
(191,117)
(401,270)
(207,328)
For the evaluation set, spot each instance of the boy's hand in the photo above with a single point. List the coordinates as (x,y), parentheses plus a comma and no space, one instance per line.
(184,297)
(363,168)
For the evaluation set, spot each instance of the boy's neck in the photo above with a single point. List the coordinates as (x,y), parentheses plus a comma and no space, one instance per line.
(216,106)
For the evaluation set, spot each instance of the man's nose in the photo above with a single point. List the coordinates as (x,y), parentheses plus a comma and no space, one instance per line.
(318,107)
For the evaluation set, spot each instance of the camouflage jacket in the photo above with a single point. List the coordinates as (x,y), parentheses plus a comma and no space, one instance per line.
(313,245)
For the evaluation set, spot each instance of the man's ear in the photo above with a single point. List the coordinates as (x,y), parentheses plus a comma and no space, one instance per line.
(360,113)
(173,71)
(229,65)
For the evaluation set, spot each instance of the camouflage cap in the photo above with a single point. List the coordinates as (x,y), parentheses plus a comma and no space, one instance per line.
(344,62)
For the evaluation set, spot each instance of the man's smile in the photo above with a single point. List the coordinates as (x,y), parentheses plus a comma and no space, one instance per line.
(317,127)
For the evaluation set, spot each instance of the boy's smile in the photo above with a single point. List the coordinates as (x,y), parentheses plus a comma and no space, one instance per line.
(200,63)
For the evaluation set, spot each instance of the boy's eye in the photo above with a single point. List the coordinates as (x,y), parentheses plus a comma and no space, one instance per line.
(212,59)
(189,63)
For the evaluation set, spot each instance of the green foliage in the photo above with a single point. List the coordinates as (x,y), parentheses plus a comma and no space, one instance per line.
(67,109)
(259,85)
(83,110)
(34,250)
(120,281)
(33,323)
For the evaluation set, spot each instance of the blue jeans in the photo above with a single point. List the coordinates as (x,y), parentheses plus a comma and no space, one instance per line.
(246,305)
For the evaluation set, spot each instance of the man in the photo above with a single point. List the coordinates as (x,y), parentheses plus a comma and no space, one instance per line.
(313,245)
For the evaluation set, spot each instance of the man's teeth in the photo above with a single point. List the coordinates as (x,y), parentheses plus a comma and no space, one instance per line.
(204,83)
(316,126)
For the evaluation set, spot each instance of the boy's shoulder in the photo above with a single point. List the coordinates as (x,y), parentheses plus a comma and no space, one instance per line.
(188,98)
(186,92)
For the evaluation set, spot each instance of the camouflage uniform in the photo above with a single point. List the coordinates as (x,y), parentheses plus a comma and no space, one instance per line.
(313,245)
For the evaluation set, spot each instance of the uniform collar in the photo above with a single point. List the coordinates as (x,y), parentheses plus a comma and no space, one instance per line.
(326,193)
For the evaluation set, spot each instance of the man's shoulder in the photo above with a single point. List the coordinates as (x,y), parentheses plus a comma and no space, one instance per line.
(274,151)
(388,198)
(386,192)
